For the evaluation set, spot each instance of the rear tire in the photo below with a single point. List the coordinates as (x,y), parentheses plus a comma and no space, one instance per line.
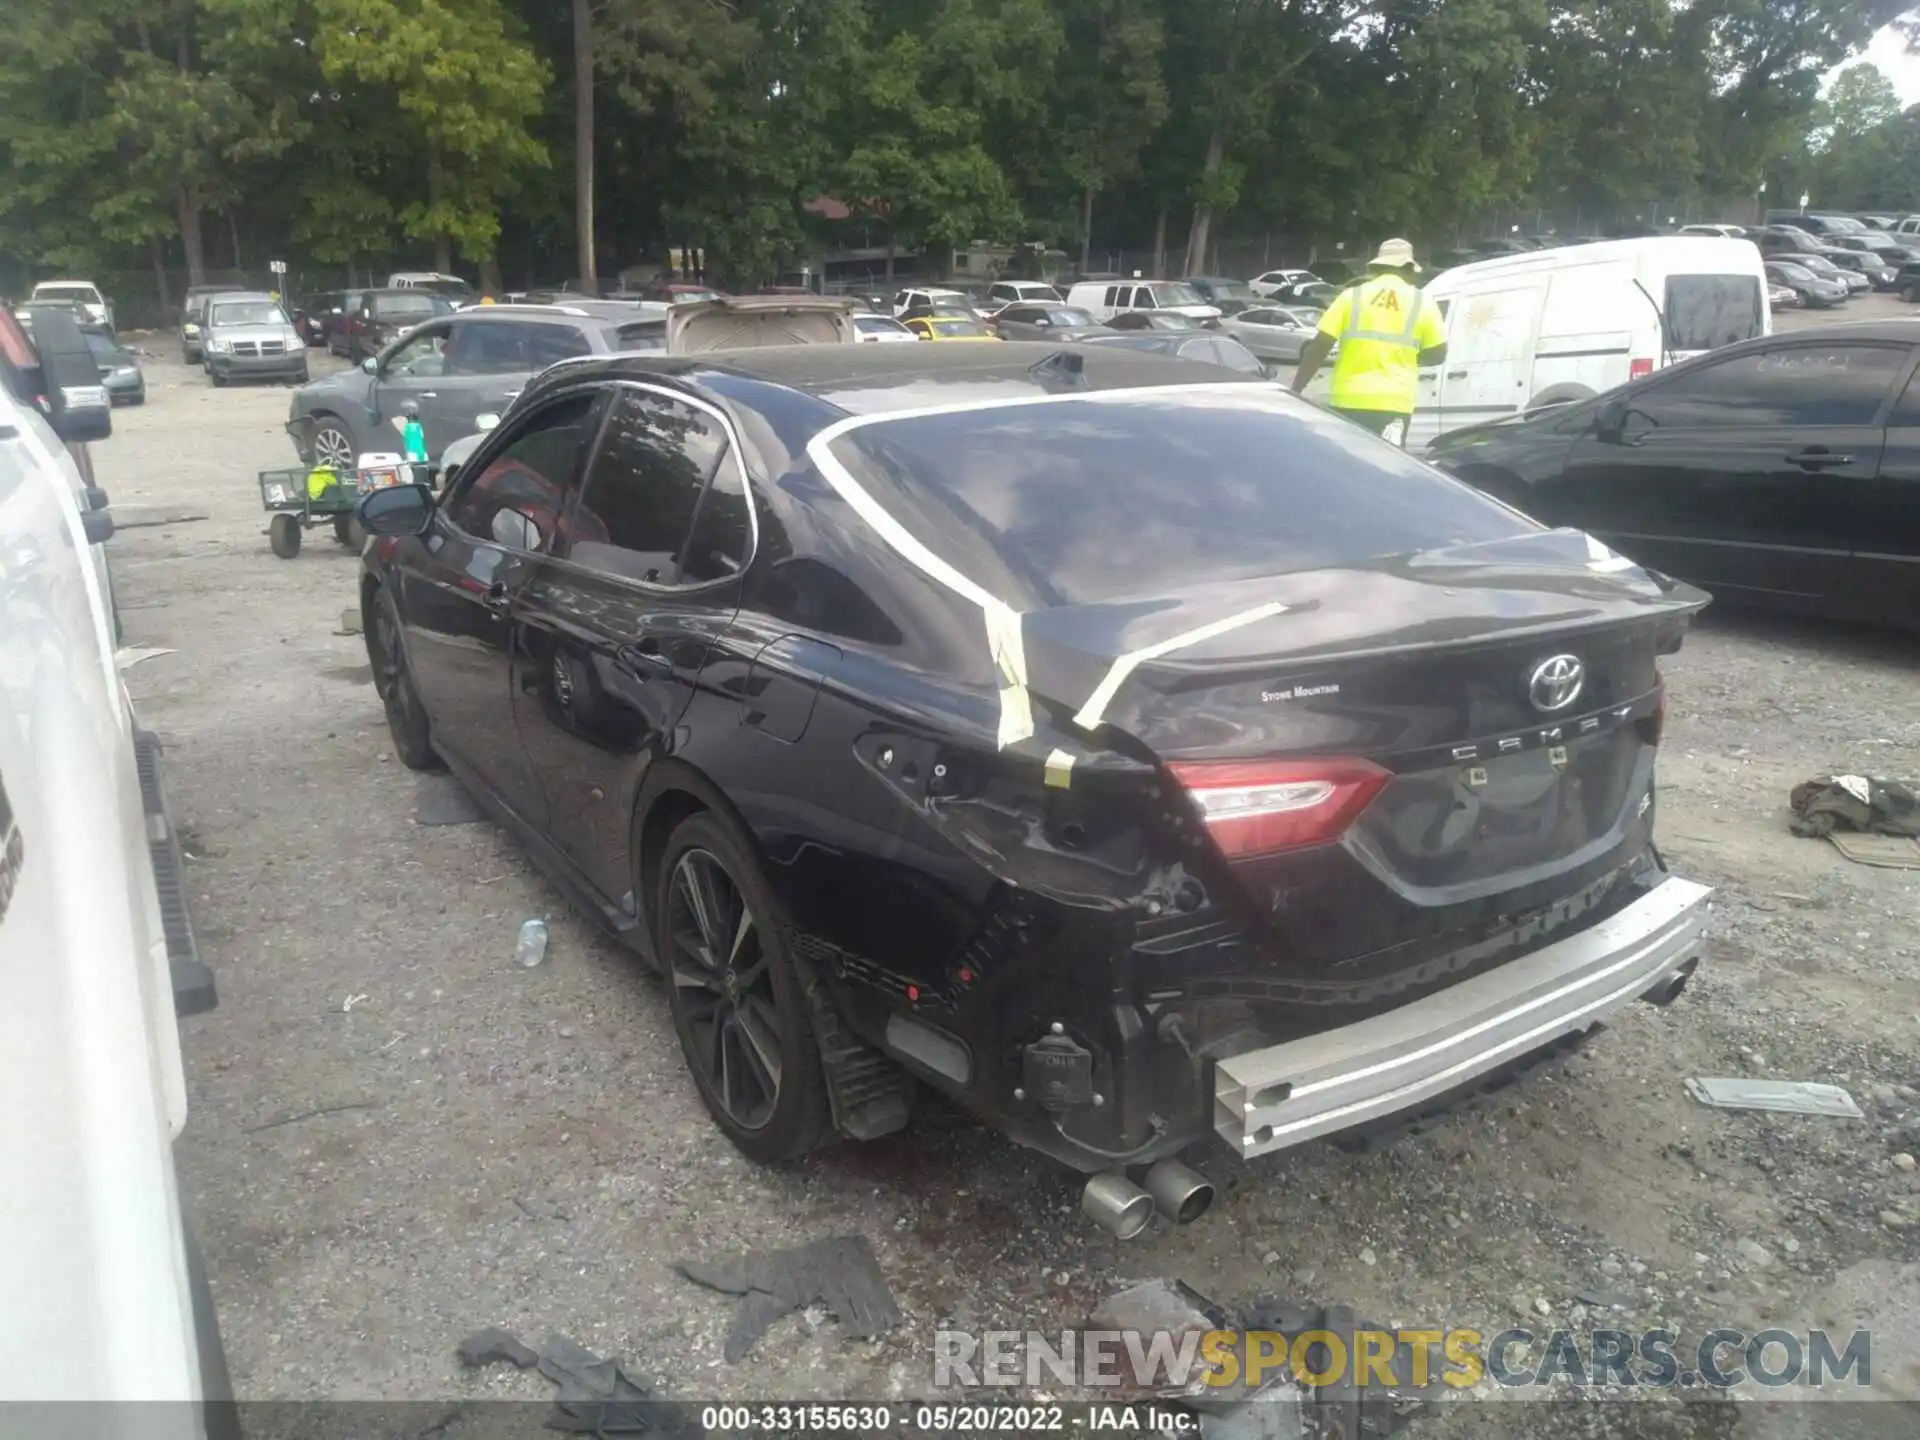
(283,534)
(393,681)
(346,529)
(738,994)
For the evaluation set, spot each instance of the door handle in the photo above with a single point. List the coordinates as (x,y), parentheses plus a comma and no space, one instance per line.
(1817,457)
(1456,374)
(496,598)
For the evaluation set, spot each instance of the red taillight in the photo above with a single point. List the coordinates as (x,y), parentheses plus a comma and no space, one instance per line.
(1259,807)
(1638,368)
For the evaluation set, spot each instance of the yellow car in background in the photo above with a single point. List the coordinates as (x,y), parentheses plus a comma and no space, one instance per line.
(949,327)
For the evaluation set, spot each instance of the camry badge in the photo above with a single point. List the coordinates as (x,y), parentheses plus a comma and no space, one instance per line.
(1556,682)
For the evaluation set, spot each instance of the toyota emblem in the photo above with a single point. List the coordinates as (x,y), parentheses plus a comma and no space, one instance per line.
(1556,683)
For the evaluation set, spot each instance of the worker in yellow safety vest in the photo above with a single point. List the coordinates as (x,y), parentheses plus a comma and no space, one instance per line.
(1386,330)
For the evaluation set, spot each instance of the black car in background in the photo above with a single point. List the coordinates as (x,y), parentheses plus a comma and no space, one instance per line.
(1783,471)
(1043,724)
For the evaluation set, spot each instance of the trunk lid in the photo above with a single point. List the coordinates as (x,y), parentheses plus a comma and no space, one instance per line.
(744,322)
(1507,692)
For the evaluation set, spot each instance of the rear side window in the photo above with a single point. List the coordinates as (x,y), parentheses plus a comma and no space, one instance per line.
(644,489)
(1078,501)
(1705,312)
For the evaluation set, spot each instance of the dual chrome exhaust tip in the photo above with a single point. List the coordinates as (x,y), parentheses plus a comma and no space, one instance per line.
(1122,1208)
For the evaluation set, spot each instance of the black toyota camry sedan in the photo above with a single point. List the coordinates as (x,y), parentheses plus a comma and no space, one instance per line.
(1781,472)
(1123,747)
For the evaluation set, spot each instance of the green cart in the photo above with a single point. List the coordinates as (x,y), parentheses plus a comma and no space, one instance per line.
(299,497)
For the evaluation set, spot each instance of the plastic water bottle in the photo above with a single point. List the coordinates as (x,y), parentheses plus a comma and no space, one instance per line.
(532,948)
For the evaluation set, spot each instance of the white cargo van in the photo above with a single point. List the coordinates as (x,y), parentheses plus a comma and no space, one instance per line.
(1551,326)
(1104,299)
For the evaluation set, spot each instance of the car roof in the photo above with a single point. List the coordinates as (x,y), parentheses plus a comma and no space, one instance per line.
(872,379)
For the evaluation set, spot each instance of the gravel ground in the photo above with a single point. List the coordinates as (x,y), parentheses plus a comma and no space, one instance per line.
(522,1148)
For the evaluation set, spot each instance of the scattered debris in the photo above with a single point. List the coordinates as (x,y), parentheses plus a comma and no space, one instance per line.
(1342,1408)
(1903,1161)
(128,656)
(1883,852)
(134,517)
(1154,1306)
(593,1396)
(1601,1299)
(839,1274)
(1790,1097)
(312,1115)
(531,948)
(485,1347)
(1753,1252)
(1869,820)
(443,800)
(350,622)
(346,1005)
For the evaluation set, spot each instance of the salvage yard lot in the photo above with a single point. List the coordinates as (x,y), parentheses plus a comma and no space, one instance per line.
(399,1137)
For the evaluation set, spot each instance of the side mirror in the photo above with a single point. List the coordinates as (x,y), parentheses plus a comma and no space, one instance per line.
(1611,423)
(76,400)
(397,510)
(371,365)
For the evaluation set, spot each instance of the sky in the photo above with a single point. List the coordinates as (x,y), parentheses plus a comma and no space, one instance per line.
(1889,52)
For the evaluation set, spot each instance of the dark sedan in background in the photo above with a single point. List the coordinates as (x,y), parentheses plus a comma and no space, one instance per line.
(1048,320)
(1187,344)
(1038,723)
(1783,471)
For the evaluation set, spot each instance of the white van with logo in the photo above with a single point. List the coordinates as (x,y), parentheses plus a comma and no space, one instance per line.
(1104,299)
(1552,326)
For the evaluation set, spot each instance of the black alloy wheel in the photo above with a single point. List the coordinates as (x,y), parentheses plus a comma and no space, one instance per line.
(738,998)
(406,717)
(332,446)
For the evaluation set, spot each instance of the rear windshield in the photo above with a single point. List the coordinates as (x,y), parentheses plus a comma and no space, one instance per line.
(1075,501)
(86,294)
(1705,312)
(248,312)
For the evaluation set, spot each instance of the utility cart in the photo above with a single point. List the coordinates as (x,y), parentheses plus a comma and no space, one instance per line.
(299,497)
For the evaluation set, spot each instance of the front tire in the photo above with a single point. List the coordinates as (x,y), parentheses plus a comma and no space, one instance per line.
(738,995)
(392,680)
(283,534)
(332,445)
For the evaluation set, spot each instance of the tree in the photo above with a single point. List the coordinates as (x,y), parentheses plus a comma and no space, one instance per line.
(460,72)
(1109,98)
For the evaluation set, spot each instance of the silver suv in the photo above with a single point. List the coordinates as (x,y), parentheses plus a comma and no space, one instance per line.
(455,369)
(247,336)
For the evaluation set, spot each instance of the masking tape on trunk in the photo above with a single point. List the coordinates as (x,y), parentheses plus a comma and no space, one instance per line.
(1095,710)
(1059,769)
